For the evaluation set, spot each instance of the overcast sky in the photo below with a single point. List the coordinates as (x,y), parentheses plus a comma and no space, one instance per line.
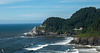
(36,11)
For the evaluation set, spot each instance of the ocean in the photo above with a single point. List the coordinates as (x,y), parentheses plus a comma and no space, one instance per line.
(12,42)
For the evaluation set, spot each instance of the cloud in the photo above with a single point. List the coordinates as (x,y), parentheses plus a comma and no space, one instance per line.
(53,8)
(33,15)
(25,7)
(44,16)
(29,15)
(2,2)
(11,1)
(68,1)
(31,7)
(71,1)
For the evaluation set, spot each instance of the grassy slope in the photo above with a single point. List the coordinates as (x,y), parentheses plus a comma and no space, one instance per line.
(90,34)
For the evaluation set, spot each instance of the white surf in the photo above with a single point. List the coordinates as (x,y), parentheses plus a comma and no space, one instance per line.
(37,48)
(64,42)
(90,50)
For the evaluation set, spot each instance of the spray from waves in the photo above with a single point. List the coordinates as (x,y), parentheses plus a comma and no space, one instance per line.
(37,48)
(64,42)
(68,39)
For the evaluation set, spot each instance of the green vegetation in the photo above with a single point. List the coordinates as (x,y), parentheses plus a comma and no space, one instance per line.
(93,31)
(85,18)
(82,18)
(41,28)
(90,34)
(95,26)
(54,24)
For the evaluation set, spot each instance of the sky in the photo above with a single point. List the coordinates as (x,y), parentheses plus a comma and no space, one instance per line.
(36,11)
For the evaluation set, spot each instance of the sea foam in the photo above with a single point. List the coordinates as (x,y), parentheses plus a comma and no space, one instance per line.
(37,48)
(64,42)
(90,50)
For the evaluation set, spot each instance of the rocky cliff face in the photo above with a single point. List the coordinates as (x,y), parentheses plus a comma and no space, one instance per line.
(87,41)
(32,32)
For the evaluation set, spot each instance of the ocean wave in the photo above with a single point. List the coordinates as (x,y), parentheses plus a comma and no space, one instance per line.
(68,39)
(25,33)
(37,48)
(64,42)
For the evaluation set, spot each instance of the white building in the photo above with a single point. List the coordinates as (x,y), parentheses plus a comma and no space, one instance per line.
(78,29)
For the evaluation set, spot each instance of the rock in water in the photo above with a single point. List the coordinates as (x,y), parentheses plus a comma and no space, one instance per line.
(2,50)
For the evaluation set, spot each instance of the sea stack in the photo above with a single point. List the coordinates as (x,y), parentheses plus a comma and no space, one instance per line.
(33,32)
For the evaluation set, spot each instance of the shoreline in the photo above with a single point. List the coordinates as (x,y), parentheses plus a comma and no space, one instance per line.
(83,48)
(88,47)
(80,47)
(93,41)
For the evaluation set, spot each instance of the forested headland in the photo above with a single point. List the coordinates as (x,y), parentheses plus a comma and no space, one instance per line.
(84,21)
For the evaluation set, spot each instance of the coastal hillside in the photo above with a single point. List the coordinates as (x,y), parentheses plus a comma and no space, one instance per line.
(95,26)
(84,25)
(82,18)
(54,24)
(92,31)
(91,35)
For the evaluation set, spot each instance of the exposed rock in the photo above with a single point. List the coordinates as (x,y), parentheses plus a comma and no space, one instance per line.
(87,41)
(32,32)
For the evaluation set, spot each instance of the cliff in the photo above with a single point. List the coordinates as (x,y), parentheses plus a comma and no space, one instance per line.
(82,18)
(91,35)
(33,32)
(87,41)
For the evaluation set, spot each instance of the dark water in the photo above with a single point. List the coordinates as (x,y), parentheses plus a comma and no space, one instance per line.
(10,42)
(12,30)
